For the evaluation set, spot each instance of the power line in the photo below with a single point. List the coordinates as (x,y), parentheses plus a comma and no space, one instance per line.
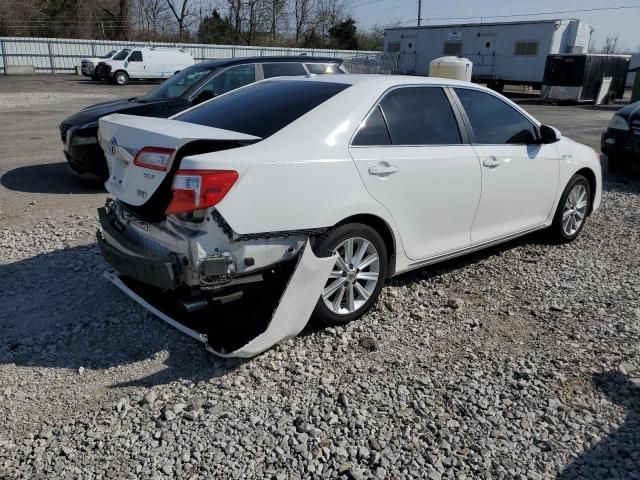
(557,12)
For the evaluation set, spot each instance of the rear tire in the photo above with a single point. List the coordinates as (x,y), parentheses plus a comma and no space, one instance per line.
(572,211)
(120,78)
(358,275)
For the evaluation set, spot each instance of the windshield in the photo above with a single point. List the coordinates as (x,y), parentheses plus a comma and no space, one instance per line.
(108,55)
(122,55)
(263,108)
(178,84)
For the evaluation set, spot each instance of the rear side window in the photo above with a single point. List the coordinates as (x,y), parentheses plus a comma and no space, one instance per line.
(373,131)
(264,108)
(420,116)
(230,79)
(283,70)
(493,121)
(136,56)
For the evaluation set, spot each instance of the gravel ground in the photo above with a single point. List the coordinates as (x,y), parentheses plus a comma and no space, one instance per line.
(518,362)
(12,101)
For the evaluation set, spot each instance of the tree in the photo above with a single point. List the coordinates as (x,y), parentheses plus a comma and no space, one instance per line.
(117,20)
(276,14)
(372,40)
(344,35)
(150,15)
(254,18)
(183,18)
(215,29)
(311,40)
(328,14)
(610,45)
(302,10)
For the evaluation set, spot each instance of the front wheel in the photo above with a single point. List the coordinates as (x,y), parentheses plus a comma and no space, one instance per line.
(572,210)
(358,275)
(121,78)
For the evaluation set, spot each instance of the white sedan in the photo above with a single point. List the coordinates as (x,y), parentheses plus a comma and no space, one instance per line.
(381,174)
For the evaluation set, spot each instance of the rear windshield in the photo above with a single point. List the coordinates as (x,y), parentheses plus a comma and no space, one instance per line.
(263,108)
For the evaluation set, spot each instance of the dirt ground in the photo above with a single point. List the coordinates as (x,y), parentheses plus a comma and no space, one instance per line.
(32,165)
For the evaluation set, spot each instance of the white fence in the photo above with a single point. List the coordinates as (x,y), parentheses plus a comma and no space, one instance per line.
(54,55)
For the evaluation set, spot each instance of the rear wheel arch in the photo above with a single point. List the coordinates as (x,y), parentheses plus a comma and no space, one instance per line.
(383,228)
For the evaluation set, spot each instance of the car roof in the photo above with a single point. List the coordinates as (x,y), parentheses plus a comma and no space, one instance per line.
(282,58)
(381,81)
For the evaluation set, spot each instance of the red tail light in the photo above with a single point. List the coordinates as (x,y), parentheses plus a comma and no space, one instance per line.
(197,189)
(155,158)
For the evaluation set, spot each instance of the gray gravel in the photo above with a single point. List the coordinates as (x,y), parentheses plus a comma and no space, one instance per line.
(518,362)
(13,101)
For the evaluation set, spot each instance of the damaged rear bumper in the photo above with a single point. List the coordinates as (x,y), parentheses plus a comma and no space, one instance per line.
(133,261)
(277,310)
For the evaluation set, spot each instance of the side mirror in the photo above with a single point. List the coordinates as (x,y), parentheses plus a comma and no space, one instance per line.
(549,134)
(203,96)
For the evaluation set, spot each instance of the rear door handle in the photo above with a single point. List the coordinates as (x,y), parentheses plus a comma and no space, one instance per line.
(493,162)
(382,170)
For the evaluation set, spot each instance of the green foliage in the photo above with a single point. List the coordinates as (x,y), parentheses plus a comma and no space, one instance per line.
(371,40)
(215,29)
(344,35)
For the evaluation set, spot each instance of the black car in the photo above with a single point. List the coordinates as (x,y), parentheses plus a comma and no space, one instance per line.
(187,88)
(621,141)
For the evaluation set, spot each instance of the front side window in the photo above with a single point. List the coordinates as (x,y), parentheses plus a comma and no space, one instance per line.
(264,108)
(283,70)
(136,56)
(122,55)
(230,79)
(493,121)
(179,84)
(420,116)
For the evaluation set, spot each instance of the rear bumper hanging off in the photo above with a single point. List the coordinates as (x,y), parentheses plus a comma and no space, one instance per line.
(284,303)
(133,261)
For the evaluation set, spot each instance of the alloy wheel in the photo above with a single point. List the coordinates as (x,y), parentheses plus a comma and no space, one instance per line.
(575,210)
(354,276)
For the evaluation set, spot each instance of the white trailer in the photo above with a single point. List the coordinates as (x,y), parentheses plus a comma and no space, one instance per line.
(502,53)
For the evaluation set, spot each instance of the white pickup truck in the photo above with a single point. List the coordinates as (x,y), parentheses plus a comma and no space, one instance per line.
(88,65)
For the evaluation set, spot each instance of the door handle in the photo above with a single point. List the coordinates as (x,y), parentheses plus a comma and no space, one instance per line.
(382,170)
(492,162)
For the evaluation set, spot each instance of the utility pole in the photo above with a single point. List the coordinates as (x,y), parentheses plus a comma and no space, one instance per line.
(419,11)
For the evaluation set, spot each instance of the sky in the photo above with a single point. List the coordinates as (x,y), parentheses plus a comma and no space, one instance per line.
(625,22)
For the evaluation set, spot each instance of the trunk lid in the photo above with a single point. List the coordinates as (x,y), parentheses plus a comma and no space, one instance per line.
(123,136)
